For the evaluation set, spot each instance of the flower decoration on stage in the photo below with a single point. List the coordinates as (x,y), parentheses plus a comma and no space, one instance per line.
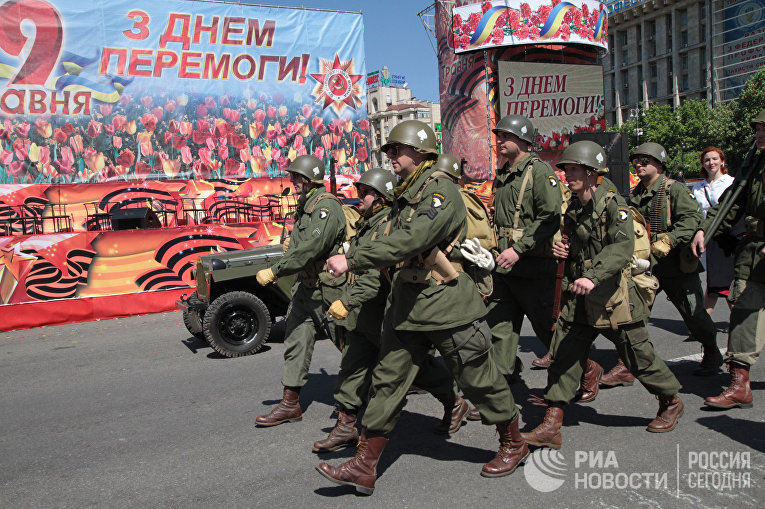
(337,86)
(497,25)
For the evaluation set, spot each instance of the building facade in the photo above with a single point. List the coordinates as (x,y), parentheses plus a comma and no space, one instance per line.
(390,102)
(667,51)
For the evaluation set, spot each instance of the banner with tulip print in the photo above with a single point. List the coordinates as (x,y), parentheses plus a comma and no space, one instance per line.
(483,25)
(161,89)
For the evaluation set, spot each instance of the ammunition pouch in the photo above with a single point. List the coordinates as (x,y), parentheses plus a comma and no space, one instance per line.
(608,304)
(646,285)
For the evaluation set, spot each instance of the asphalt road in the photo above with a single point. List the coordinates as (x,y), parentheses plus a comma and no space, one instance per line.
(135,413)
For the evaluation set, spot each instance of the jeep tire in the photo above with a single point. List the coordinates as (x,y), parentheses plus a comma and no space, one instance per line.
(192,319)
(237,324)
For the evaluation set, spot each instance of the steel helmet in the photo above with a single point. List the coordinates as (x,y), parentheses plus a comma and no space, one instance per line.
(586,153)
(415,134)
(449,164)
(759,119)
(517,125)
(382,181)
(651,149)
(309,167)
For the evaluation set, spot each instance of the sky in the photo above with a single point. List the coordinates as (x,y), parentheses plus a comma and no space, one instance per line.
(393,35)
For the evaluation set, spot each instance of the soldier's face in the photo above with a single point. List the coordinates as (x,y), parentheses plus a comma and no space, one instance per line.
(299,182)
(510,145)
(404,159)
(759,136)
(576,176)
(646,166)
(367,197)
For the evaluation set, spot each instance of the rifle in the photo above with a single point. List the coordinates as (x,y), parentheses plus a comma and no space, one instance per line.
(285,192)
(332,181)
(748,168)
(558,288)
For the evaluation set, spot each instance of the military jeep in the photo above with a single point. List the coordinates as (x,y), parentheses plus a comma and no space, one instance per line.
(229,309)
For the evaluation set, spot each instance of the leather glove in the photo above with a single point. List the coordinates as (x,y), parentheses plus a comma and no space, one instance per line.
(286,244)
(265,277)
(661,247)
(477,255)
(337,310)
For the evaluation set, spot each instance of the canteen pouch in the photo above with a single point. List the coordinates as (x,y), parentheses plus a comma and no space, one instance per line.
(646,285)
(608,304)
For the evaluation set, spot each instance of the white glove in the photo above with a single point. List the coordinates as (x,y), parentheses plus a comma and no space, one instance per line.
(639,266)
(477,255)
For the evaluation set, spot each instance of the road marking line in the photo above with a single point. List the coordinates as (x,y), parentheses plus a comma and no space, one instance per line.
(693,357)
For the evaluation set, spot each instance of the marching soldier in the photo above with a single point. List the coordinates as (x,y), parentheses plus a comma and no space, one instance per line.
(527,213)
(747,317)
(359,313)
(318,232)
(603,298)
(433,303)
(674,216)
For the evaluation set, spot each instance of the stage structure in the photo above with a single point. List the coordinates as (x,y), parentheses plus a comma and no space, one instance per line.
(538,58)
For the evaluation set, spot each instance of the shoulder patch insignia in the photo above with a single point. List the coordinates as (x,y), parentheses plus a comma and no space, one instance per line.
(623,214)
(438,200)
(323,213)
(553,181)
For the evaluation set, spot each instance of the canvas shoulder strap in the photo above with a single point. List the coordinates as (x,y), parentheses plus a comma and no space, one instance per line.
(527,176)
(323,195)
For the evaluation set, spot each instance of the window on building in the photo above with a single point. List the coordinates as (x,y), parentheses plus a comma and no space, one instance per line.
(684,82)
(703,67)
(683,38)
(668,27)
(653,90)
(639,38)
(653,70)
(612,51)
(651,38)
(684,62)
(423,114)
(625,88)
(702,32)
(682,14)
(624,48)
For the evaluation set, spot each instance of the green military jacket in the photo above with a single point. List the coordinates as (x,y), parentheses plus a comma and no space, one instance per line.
(367,290)
(751,206)
(539,215)
(315,237)
(436,220)
(680,224)
(597,257)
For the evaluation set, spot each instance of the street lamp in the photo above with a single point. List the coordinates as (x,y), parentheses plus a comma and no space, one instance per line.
(636,113)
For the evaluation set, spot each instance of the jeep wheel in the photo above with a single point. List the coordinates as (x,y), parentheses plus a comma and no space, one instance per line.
(192,319)
(237,324)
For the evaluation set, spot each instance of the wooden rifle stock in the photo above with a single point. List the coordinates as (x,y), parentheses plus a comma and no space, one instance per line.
(558,287)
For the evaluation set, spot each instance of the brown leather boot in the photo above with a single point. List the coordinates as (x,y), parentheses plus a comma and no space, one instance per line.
(288,410)
(710,361)
(738,393)
(589,384)
(619,375)
(361,470)
(344,434)
(670,410)
(512,451)
(543,362)
(453,415)
(473,415)
(548,433)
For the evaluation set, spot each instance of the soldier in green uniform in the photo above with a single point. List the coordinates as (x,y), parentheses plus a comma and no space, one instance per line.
(674,216)
(747,317)
(318,233)
(359,314)
(602,297)
(527,214)
(433,302)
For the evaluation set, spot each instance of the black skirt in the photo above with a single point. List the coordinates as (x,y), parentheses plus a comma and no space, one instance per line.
(720,258)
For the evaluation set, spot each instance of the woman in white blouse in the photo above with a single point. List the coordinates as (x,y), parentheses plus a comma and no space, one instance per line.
(719,254)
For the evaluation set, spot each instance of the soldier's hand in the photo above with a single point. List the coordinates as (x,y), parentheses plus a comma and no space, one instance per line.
(286,244)
(697,244)
(560,250)
(661,247)
(762,252)
(582,286)
(337,310)
(508,258)
(265,277)
(337,265)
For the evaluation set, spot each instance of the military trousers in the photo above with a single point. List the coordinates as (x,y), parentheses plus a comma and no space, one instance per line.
(464,349)
(687,295)
(747,322)
(512,298)
(571,347)
(359,359)
(304,324)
